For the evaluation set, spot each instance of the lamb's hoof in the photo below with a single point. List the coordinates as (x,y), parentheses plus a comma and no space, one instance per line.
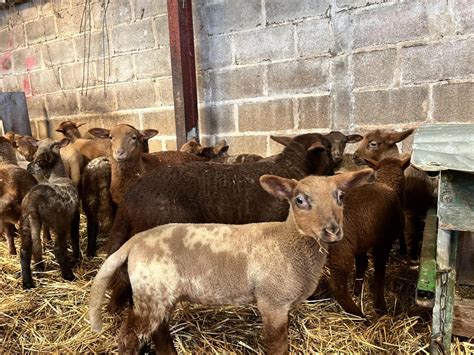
(75,261)
(380,310)
(69,277)
(90,253)
(12,251)
(28,285)
(40,266)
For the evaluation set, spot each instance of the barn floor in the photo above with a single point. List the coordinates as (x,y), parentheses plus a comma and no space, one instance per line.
(52,318)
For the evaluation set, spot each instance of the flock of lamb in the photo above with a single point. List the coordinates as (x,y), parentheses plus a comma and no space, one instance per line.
(202,226)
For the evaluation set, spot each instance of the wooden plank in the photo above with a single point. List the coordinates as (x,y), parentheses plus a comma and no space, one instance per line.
(466,259)
(14,112)
(183,68)
(463,323)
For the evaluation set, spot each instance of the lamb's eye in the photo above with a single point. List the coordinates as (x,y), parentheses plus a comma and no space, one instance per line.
(110,137)
(134,138)
(373,145)
(339,197)
(301,201)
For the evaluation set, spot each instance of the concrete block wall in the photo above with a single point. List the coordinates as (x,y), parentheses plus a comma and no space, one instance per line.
(264,66)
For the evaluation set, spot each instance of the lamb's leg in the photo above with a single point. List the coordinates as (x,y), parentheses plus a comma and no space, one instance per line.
(380,255)
(92,231)
(46,234)
(361,267)
(35,226)
(128,342)
(413,229)
(10,232)
(121,291)
(162,339)
(339,290)
(275,327)
(60,251)
(74,233)
(25,254)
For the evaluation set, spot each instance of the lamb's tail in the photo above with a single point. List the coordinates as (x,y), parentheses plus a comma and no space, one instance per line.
(101,281)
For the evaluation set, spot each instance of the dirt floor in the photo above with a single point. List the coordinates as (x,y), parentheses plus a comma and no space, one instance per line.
(52,318)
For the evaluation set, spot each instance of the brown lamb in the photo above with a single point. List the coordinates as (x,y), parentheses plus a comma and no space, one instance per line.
(15,183)
(373,219)
(204,192)
(217,264)
(54,204)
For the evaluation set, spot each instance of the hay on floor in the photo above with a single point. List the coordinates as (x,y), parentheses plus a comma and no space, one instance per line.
(52,318)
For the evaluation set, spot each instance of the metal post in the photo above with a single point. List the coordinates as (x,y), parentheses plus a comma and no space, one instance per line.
(183,69)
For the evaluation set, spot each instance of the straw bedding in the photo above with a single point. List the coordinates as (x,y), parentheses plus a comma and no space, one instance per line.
(52,318)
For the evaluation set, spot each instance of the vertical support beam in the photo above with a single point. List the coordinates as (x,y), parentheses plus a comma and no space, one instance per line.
(14,113)
(180,19)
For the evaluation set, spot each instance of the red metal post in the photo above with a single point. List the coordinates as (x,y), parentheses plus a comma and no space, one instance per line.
(183,69)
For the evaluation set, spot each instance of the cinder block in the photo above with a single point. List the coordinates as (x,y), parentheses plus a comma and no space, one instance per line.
(162,120)
(69,21)
(225,16)
(233,84)
(74,75)
(404,105)
(390,24)
(118,11)
(272,115)
(45,81)
(314,112)
(313,37)
(12,37)
(42,129)
(62,104)
(162,30)
(60,52)
(11,83)
(40,30)
(342,28)
(112,120)
(155,145)
(36,107)
(453,102)
(302,76)
(266,44)
(164,91)
(139,36)
(94,47)
(137,95)
(464,15)
(438,61)
(341,92)
(217,119)
(147,8)
(245,144)
(284,10)
(170,144)
(374,68)
(96,101)
(153,64)
(27,59)
(118,69)
(28,11)
(213,52)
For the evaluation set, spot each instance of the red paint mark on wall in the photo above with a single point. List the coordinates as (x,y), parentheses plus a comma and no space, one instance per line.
(26,86)
(30,62)
(6,61)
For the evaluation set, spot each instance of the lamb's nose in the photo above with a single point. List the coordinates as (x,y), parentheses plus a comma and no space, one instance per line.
(120,154)
(332,233)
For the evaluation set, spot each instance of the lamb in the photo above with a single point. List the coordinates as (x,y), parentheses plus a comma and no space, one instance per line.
(54,204)
(70,130)
(204,192)
(419,187)
(217,264)
(15,183)
(373,219)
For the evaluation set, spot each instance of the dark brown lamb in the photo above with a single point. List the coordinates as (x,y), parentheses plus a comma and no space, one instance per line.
(373,220)
(54,204)
(214,193)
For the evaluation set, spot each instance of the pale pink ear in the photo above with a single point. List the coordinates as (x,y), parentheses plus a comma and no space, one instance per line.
(282,140)
(354,138)
(148,133)
(62,143)
(279,187)
(374,164)
(350,180)
(99,132)
(221,147)
(393,137)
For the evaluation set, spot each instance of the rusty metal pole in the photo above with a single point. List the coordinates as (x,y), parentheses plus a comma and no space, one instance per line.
(183,67)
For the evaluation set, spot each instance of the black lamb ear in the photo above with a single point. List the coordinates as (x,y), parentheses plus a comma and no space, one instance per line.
(282,140)
(99,132)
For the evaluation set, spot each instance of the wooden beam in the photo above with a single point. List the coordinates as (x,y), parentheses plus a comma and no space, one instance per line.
(14,112)
(183,69)
(463,323)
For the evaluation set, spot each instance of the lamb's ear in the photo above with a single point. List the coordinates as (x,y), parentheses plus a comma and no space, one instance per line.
(60,130)
(99,132)
(221,147)
(148,133)
(277,186)
(80,124)
(371,163)
(32,140)
(282,140)
(61,144)
(354,138)
(353,179)
(393,137)
(405,162)
(317,146)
